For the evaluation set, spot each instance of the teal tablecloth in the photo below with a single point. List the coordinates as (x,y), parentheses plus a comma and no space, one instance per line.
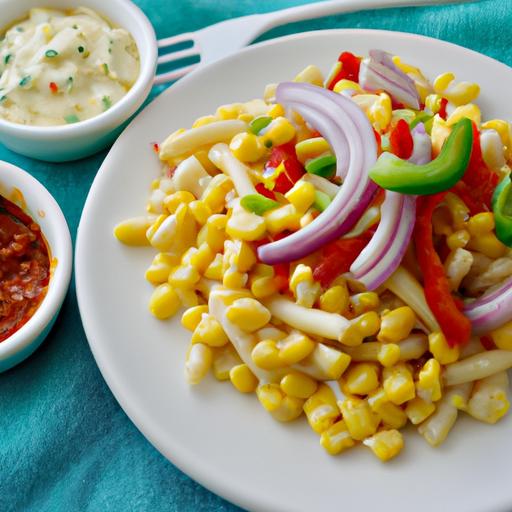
(65,444)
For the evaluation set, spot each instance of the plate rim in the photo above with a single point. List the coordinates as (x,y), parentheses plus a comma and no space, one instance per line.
(201,473)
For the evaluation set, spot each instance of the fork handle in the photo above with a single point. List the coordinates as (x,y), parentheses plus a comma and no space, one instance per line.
(327,8)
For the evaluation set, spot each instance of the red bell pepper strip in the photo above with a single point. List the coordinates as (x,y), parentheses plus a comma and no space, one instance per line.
(338,256)
(264,191)
(349,69)
(455,326)
(401,141)
(442,109)
(293,169)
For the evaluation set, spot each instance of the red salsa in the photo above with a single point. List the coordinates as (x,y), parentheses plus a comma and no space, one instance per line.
(24,267)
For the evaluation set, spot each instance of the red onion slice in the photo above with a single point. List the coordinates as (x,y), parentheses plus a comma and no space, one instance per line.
(489,313)
(338,119)
(378,72)
(385,255)
(422,146)
(488,297)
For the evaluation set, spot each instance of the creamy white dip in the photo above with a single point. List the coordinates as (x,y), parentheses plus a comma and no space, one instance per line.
(61,67)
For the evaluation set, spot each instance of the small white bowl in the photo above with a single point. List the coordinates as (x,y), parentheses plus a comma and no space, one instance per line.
(43,208)
(73,141)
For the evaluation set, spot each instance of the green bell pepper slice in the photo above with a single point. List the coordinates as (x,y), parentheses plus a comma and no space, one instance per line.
(502,209)
(392,173)
(324,166)
(258,204)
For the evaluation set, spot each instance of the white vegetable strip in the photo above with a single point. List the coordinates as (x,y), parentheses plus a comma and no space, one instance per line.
(188,176)
(222,157)
(477,366)
(313,321)
(219,131)
(405,286)
(242,341)
(437,427)
(334,116)
(322,184)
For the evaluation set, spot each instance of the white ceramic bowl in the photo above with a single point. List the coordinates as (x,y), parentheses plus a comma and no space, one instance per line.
(43,208)
(73,141)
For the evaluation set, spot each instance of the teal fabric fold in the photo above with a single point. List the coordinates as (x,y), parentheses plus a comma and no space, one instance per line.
(65,444)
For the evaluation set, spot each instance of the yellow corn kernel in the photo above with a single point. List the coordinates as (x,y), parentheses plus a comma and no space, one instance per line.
(304,288)
(133,231)
(192,316)
(289,409)
(344,84)
(243,256)
(266,355)
(389,354)
(433,103)
(247,147)
(200,211)
(330,361)
(458,239)
(164,302)
(225,358)
(429,381)
(361,378)
(202,258)
(156,201)
(321,415)
(214,195)
(197,363)
(335,299)
(210,332)
(203,121)
(396,325)
(360,420)
(231,111)
(233,279)
(269,94)
(381,111)
(440,349)
(263,287)
(336,438)
(505,132)
(439,133)
(161,267)
(184,276)
(279,131)
(244,225)
(458,94)
(283,218)
(311,75)
(172,201)
(300,274)
(213,233)
(488,245)
(311,148)
(398,384)
(362,302)
(214,269)
(275,111)
(248,314)
(298,385)
(246,118)
(270,396)
(361,327)
(301,195)
(294,348)
(243,379)
(385,444)
(270,332)
(471,111)
(481,223)
(418,410)
(502,336)
(489,401)
(458,210)
(376,399)
(391,415)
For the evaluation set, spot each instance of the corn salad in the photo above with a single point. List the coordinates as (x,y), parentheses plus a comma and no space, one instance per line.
(358,364)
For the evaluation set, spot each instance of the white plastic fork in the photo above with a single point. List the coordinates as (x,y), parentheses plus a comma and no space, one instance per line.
(221,39)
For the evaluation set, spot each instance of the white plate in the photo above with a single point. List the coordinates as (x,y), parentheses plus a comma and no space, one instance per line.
(223,439)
